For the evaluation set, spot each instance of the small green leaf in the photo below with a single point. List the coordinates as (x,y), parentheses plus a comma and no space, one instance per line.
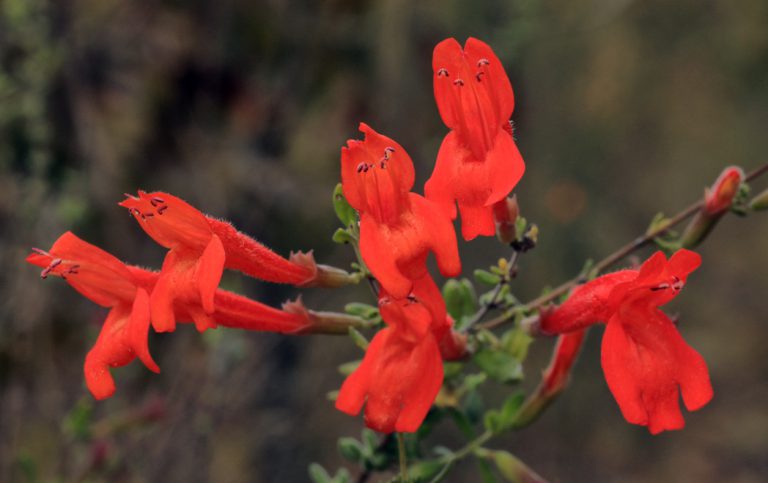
(486,277)
(351,449)
(521,225)
(342,236)
(500,366)
(424,471)
(358,338)
(78,421)
(460,298)
(514,470)
(348,367)
(346,214)
(359,309)
(318,474)
(516,343)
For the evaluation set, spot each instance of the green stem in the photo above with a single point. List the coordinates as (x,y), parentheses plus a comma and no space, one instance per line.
(402,457)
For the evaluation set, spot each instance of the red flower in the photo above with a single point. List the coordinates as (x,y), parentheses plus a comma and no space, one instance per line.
(478,163)
(200,247)
(107,281)
(401,373)
(720,197)
(645,360)
(556,375)
(397,228)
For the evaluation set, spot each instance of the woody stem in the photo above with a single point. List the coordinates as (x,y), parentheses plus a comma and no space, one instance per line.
(616,256)
(402,458)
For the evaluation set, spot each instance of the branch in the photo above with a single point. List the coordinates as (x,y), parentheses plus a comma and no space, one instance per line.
(614,257)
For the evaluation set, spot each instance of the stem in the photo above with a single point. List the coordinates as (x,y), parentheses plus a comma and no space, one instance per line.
(511,272)
(402,457)
(619,254)
(470,448)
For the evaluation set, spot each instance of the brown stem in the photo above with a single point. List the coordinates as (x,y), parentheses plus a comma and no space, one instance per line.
(618,255)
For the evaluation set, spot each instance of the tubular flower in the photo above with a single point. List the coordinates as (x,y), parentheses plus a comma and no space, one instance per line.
(401,373)
(105,280)
(558,372)
(200,247)
(397,228)
(645,360)
(478,163)
(124,289)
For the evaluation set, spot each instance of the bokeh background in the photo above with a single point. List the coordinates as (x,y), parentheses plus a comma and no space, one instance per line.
(624,109)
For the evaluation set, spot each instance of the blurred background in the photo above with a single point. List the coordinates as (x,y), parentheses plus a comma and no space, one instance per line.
(624,109)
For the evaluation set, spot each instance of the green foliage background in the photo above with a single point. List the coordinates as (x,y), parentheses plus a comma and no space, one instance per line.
(623,109)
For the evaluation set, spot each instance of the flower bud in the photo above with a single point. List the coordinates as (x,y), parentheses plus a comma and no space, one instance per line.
(760,202)
(505,212)
(717,200)
(719,197)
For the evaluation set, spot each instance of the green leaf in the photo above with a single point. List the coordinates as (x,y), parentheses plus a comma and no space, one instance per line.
(498,421)
(318,474)
(359,309)
(460,298)
(521,225)
(358,338)
(500,366)
(425,471)
(486,277)
(342,236)
(344,211)
(78,421)
(351,449)
(514,470)
(348,367)
(516,343)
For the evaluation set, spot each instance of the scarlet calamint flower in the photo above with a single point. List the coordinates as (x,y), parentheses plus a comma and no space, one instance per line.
(397,228)
(106,281)
(124,289)
(401,373)
(478,163)
(719,197)
(645,360)
(200,247)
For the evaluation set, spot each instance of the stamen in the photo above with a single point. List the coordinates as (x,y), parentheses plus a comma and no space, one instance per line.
(412,298)
(479,76)
(41,252)
(661,286)
(156,201)
(162,209)
(443,72)
(458,82)
(74,269)
(47,270)
(383,301)
(483,62)
(362,168)
(128,195)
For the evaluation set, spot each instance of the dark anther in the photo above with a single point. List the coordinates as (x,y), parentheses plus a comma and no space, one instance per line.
(148,215)
(458,82)
(156,201)
(74,269)
(389,149)
(412,298)
(443,72)
(362,167)
(383,163)
(55,263)
(383,301)
(661,286)
(483,62)
(162,209)
(479,76)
